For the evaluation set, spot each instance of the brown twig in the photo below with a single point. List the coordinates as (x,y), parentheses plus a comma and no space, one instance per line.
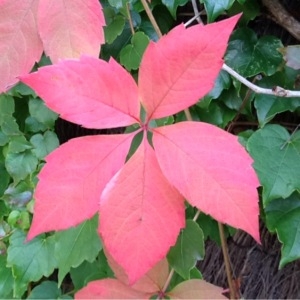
(283,18)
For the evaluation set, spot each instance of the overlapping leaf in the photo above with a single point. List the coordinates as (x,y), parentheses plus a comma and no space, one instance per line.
(71,182)
(182,66)
(137,203)
(94,93)
(20,45)
(64,28)
(213,171)
(70,28)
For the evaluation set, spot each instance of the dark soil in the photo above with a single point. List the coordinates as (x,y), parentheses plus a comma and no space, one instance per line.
(254,268)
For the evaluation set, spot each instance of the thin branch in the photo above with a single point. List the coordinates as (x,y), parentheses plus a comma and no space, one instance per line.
(275,91)
(196,12)
(226,261)
(151,18)
(129,18)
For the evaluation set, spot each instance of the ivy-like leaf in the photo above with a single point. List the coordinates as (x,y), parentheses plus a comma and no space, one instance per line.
(250,56)
(276,157)
(188,250)
(70,28)
(6,279)
(213,172)
(283,216)
(30,261)
(130,209)
(131,55)
(215,8)
(71,246)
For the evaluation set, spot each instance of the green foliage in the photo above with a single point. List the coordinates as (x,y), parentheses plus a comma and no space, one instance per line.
(188,250)
(276,160)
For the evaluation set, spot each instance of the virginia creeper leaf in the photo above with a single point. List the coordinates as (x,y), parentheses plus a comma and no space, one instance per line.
(196,289)
(182,66)
(142,212)
(109,289)
(71,246)
(20,45)
(95,93)
(70,28)
(152,282)
(276,157)
(283,216)
(188,250)
(46,290)
(73,178)
(30,261)
(213,172)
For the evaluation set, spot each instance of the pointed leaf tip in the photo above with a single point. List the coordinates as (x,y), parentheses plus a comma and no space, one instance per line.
(141,214)
(182,66)
(213,172)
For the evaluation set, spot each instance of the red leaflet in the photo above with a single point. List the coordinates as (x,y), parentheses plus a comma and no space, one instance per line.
(182,66)
(142,205)
(213,172)
(142,212)
(95,94)
(196,289)
(109,289)
(73,178)
(69,28)
(20,45)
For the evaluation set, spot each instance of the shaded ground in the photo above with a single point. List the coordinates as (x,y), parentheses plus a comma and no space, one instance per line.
(254,266)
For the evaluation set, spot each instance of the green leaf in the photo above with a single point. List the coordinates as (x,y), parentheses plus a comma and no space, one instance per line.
(276,157)
(5,178)
(17,196)
(249,56)
(6,279)
(131,55)
(291,55)
(283,216)
(250,9)
(18,144)
(41,112)
(188,249)
(215,8)
(7,105)
(46,290)
(172,5)
(44,144)
(114,28)
(75,245)
(9,125)
(20,165)
(87,271)
(33,125)
(268,106)
(3,139)
(30,261)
